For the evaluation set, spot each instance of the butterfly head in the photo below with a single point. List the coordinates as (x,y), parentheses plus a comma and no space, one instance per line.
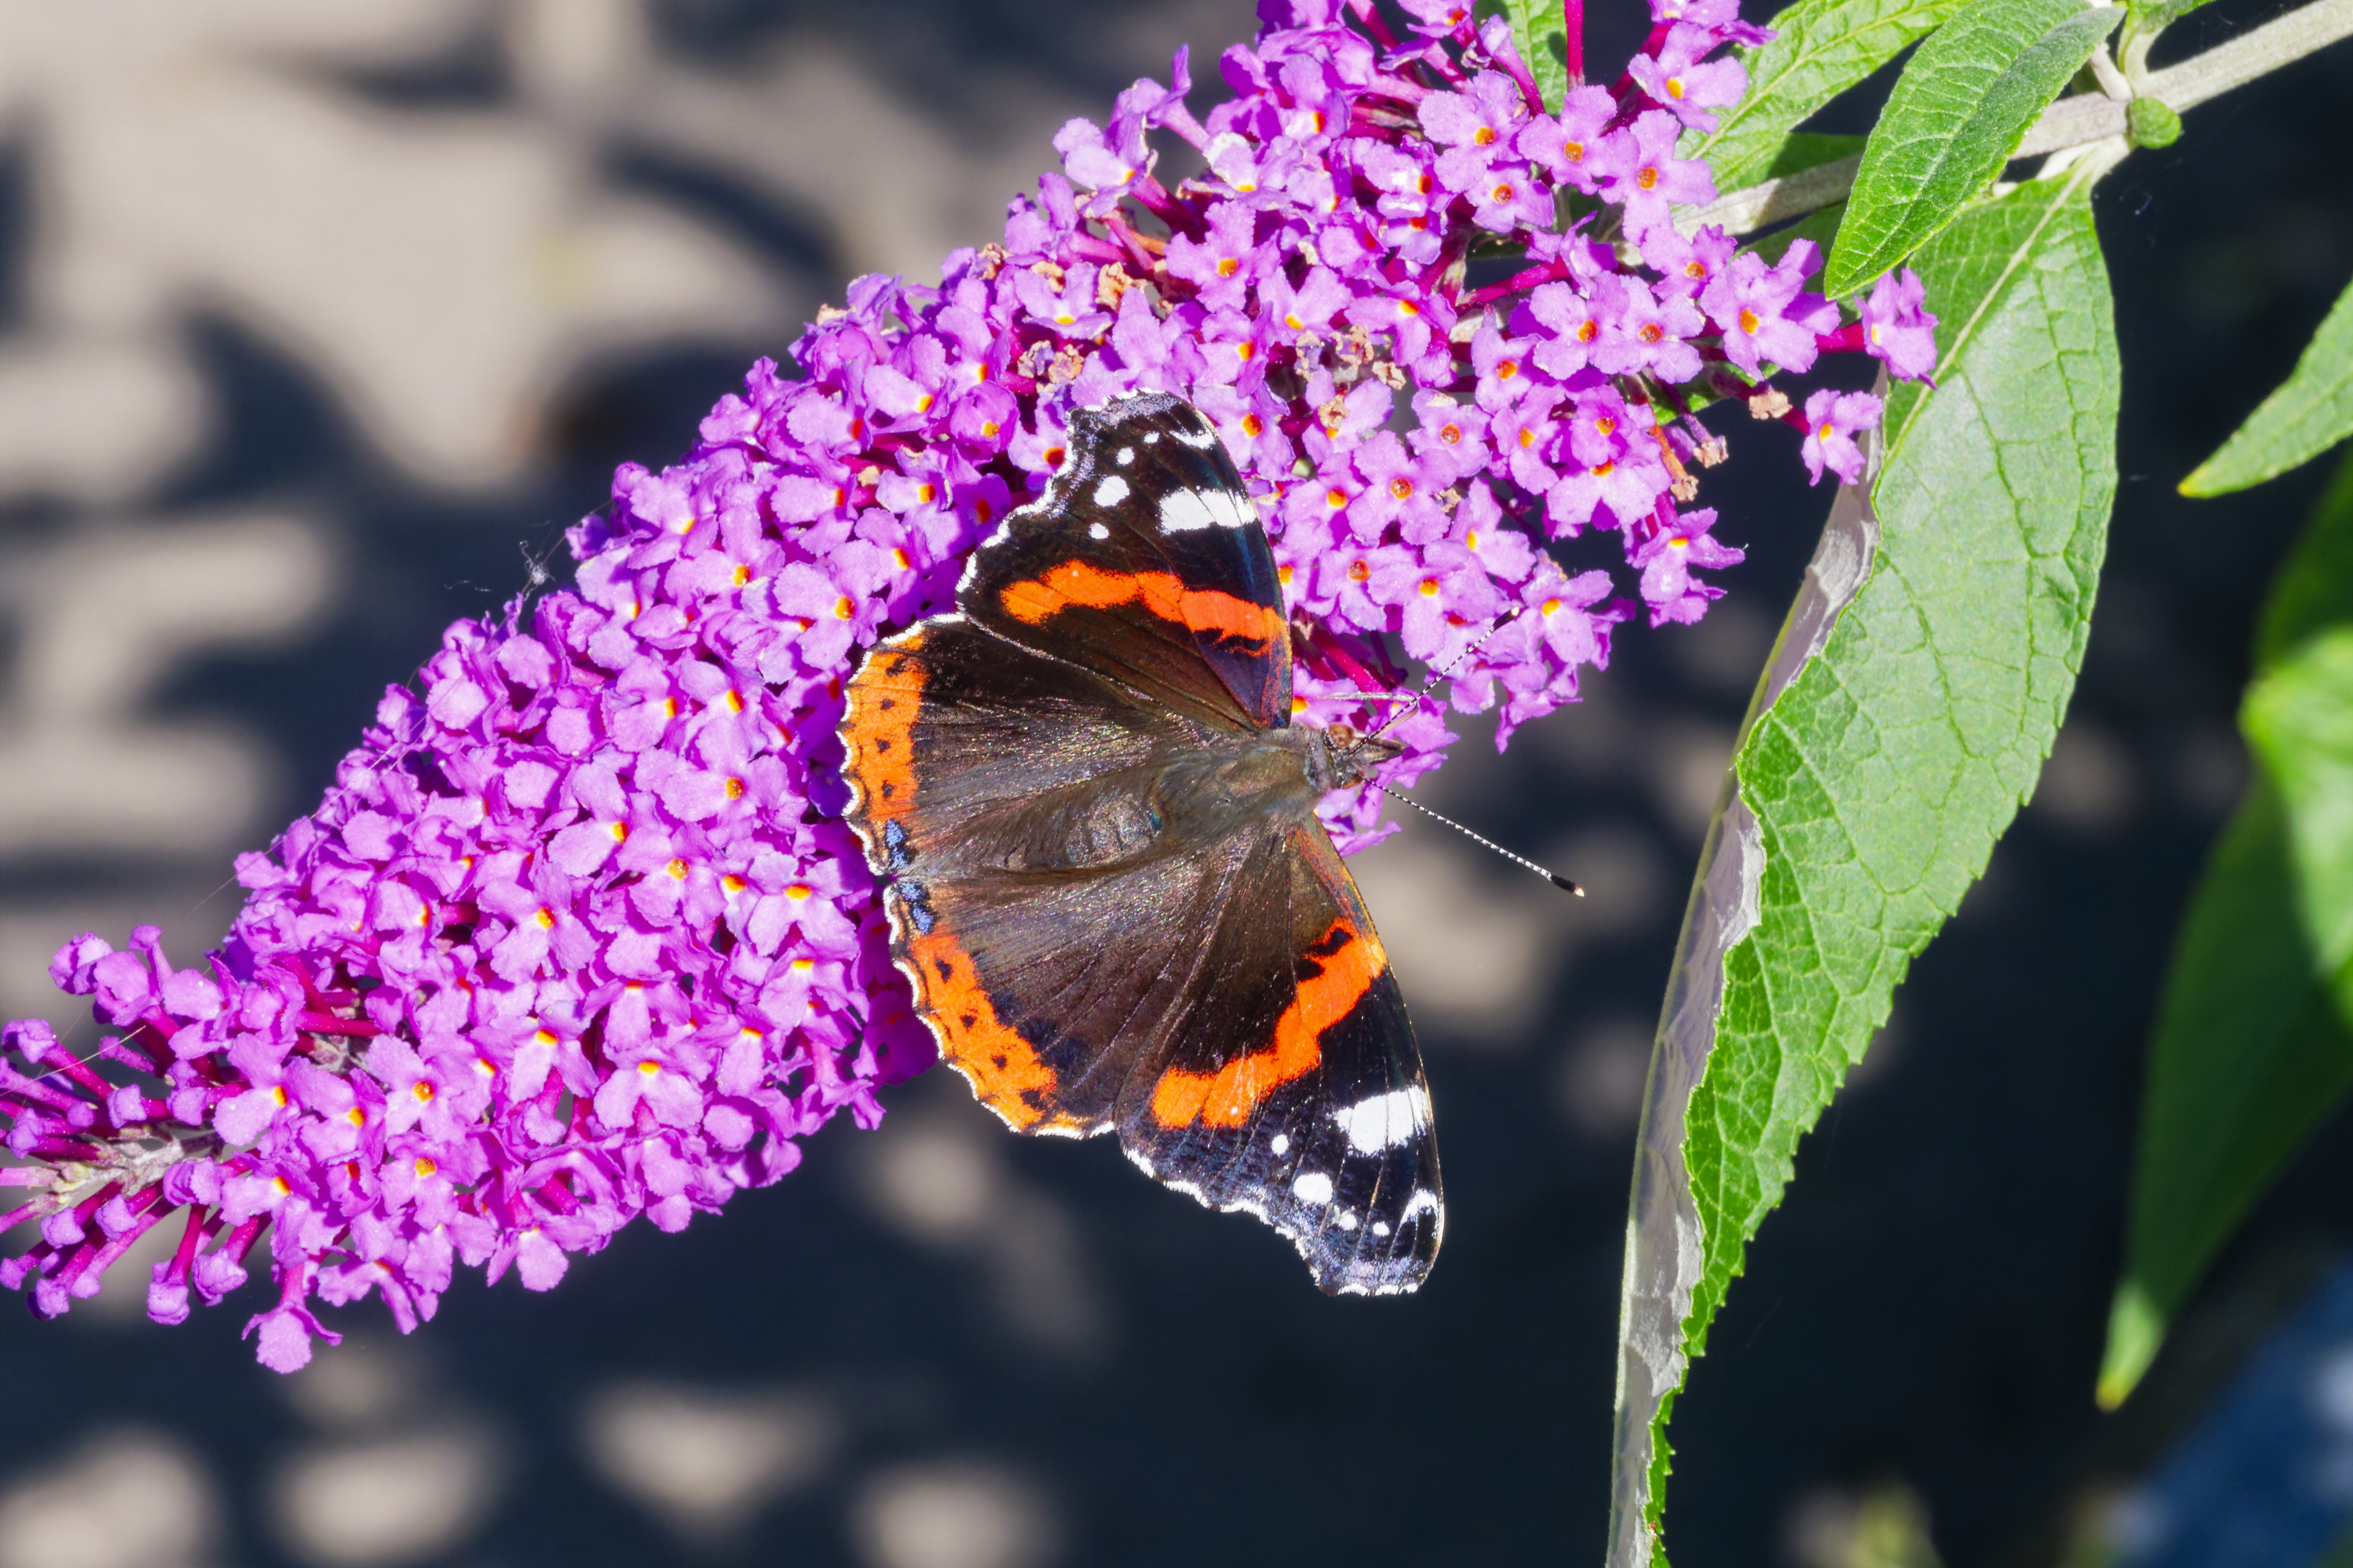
(1344,757)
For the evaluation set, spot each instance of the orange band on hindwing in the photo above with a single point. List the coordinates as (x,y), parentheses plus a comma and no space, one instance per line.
(1005,1072)
(1164,594)
(1347,962)
(877,732)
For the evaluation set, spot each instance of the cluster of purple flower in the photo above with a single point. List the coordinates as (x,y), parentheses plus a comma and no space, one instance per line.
(578,935)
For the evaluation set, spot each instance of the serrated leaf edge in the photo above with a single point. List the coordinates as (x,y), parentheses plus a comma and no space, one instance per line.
(1665,1235)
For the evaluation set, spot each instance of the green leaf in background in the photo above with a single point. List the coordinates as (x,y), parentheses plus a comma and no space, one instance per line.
(1819,49)
(1957,113)
(1540,31)
(2252,1048)
(1803,150)
(1907,712)
(2311,412)
(1821,225)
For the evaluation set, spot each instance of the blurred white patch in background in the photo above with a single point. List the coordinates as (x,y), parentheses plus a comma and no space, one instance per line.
(936,1171)
(705,1460)
(1880,1526)
(80,768)
(399,1473)
(953,1515)
(2089,785)
(127,1499)
(441,269)
(1602,1076)
(1473,940)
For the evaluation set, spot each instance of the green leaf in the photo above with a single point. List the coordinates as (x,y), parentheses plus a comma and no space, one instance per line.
(1909,704)
(2311,412)
(1803,150)
(1957,113)
(1819,49)
(2252,1048)
(1821,225)
(1540,32)
(2151,122)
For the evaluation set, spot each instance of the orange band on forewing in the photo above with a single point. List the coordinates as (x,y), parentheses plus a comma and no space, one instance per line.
(1197,609)
(879,730)
(1004,1070)
(1349,961)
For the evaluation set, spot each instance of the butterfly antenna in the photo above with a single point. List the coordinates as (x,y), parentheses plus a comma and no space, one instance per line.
(1413,700)
(1556,880)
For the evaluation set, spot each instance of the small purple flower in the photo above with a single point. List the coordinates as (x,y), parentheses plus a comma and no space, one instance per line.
(1897,328)
(1677,79)
(1667,560)
(1449,438)
(1225,261)
(1506,195)
(1832,420)
(1763,313)
(1443,599)
(1644,334)
(1636,167)
(1563,147)
(1567,322)
(1687,266)
(1477,125)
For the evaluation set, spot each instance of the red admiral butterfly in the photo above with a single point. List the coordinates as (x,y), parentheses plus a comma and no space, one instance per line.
(1106,879)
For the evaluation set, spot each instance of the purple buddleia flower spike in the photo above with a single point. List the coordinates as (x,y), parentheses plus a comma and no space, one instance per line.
(577,935)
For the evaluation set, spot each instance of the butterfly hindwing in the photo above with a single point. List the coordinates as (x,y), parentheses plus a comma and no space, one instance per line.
(1320,1124)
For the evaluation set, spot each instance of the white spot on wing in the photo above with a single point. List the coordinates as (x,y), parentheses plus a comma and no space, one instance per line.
(1182,511)
(1111,491)
(1386,1120)
(1380,1227)
(1197,439)
(1282,1143)
(1151,438)
(1347,1220)
(1127,455)
(1423,1202)
(1312,1187)
(1097,531)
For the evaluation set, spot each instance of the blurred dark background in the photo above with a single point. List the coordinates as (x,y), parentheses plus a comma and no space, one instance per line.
(314,321)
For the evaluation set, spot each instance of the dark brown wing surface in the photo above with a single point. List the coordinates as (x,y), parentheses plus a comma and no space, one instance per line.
(1319,1120)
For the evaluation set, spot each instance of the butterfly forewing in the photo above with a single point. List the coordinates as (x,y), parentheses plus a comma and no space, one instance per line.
(1146,515)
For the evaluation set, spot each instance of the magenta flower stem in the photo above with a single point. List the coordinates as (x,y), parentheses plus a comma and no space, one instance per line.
(1518,283)
(334,1024)
(1572,17)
